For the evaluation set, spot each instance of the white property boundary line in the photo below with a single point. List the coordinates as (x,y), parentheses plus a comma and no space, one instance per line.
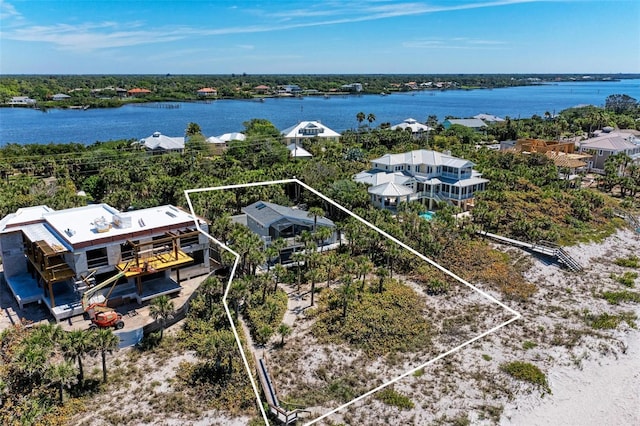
(516,314)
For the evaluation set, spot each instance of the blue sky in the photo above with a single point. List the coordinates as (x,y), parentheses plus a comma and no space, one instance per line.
(318,37)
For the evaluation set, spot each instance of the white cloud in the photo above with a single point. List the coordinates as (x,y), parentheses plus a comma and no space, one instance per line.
(455,43)
(104,35)
(92,36)
(8,11)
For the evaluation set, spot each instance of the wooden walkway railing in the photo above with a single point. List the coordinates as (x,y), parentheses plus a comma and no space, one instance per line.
(543,247)
(268,388)
(629,218)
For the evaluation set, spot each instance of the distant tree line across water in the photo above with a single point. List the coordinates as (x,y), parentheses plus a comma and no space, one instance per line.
(111,90)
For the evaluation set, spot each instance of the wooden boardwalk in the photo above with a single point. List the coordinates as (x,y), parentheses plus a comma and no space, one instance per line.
(542,247)
(268,388)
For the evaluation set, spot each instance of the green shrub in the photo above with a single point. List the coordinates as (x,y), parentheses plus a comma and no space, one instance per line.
(615,297)
(526,372)
(435,287)
(380,323)
(605,321)
(486,357)
(264,318)
(628,279)
(390,397)
(527,344)
(631,261)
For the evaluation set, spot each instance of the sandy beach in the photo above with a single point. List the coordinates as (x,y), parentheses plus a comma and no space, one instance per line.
(604,389)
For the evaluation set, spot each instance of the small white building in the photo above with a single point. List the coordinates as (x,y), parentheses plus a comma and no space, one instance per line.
(488,118)
(60,97)
(233,136)
(298,151)
(417,129)
(21,100)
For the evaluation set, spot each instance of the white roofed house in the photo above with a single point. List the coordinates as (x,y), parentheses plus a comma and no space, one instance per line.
(60,97)
(422,175)
(308,130)
(608,144)
(298,152)
(418,130)
(161,144)
(488,118)
(48,254)
(22,100)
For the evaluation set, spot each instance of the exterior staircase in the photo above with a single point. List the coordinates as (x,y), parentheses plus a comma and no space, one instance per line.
(542,247)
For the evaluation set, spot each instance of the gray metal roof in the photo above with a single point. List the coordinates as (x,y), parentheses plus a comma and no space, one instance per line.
(266,214)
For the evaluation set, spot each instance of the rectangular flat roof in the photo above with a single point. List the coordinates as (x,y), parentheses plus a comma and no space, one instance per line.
(23,216)
(95,222)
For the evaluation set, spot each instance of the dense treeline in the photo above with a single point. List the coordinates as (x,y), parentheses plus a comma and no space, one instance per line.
(184,87)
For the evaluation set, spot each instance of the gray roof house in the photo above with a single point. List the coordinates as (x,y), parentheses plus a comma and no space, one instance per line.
(271,221)
(473,123)
(608,144)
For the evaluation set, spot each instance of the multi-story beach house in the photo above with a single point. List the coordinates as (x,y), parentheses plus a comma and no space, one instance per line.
(422,175)
(608,143)
(308,130)
(47,254)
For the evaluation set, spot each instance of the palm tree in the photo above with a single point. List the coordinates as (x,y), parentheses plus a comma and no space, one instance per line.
(104,341)
(283,330)
(62,374)
(371,118)
(382,274)
(360,117)
(364,266)
(162,310)
(238,292)
(193,129)
(279,244)
(314,212)
(279,271)
(75,344)
(323,234)
(270,252)
(298,257)
(346,292)
(314,276)
(255,257)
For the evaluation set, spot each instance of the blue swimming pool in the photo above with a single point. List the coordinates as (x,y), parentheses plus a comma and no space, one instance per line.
(427,215)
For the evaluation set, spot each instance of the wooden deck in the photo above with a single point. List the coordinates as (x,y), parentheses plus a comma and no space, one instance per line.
(155,263)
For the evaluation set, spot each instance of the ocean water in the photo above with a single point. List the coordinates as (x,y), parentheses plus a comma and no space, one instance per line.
(22,126)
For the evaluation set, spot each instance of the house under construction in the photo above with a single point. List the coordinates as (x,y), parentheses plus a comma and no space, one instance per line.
(48,255)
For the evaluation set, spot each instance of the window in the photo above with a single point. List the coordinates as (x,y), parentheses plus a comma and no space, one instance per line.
(600,153)
(97,258)
(126,251)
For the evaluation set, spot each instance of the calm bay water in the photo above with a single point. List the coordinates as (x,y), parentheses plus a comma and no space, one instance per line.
(19,125)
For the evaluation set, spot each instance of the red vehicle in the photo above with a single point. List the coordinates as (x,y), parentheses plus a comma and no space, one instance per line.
(99,313)
(104,317)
